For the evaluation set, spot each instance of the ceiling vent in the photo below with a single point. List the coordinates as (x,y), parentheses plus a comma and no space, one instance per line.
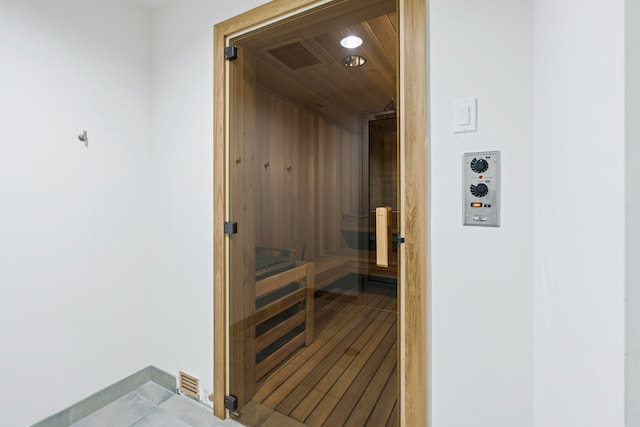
(294,56)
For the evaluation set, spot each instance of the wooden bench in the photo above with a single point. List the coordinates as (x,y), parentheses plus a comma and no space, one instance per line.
(309,277)
(301,277)
(330,268)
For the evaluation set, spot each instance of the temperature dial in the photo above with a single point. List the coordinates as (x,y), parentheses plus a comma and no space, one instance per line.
(479,190)
(479,165)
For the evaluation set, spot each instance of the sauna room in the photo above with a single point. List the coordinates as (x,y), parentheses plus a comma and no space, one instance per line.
(313,189)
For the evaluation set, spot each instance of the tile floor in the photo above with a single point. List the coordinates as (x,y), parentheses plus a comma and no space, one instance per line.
(153,406)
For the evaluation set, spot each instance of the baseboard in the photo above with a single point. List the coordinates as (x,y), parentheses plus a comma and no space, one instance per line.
(108,395)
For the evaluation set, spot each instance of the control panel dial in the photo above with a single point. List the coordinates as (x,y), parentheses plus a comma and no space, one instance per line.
(479,165)
(479,190)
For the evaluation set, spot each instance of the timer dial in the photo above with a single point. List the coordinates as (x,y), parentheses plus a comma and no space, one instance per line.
(479,190)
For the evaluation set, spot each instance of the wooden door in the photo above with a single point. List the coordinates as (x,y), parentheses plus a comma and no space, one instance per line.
(242,189)
(234,265)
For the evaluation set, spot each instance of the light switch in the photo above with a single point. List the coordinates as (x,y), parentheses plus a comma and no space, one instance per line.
(465,115)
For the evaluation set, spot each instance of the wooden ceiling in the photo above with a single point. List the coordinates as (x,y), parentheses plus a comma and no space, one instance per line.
(302,61)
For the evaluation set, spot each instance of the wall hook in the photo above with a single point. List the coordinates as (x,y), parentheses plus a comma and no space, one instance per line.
(266,165)
(289,168)
(238,161)
(84,138)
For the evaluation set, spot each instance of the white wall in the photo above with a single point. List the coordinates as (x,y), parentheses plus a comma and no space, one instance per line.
(579,211)
(482,278)
(74,228)
(182,177)
(632,81)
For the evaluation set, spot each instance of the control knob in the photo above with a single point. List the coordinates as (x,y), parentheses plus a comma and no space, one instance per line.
(479,165)
(479,190)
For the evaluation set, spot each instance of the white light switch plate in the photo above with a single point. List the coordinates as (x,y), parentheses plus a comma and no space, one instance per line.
(465,114)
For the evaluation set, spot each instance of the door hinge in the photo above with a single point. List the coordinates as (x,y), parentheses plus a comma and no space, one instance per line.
(231,403)
(230,227)
(230,53)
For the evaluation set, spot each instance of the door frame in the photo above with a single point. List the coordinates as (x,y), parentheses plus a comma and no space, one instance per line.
(412,105)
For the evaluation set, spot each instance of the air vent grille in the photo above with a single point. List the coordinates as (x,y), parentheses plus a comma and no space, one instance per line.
(189,385)
(294,56)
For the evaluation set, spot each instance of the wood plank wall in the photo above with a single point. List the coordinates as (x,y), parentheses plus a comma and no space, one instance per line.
(383,164)
(310,174)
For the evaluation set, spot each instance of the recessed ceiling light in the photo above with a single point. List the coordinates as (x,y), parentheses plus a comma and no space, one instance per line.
(351,42)
(354,61)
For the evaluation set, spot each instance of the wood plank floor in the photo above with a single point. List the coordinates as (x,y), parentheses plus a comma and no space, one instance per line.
(347,376)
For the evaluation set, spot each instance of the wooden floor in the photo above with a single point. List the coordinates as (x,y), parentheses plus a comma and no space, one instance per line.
(347,376)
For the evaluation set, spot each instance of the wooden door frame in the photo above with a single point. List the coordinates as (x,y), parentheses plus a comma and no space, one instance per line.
(412,128)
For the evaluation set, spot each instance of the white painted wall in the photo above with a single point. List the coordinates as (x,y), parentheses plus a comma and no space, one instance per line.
(74,223)
(632,154)
(482,278)
(182,196)
(579,213)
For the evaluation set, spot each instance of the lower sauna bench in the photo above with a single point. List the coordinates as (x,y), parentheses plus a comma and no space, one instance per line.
(329,269)
(284,316)
(333,267)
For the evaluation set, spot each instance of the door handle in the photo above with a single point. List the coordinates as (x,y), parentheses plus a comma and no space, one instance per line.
(383,236)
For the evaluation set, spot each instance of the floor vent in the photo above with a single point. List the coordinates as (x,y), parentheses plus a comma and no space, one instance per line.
(189,385)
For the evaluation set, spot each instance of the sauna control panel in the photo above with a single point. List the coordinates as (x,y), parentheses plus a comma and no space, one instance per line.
(481,189)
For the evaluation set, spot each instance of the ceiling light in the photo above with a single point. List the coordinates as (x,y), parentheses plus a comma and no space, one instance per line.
(351,42)
(354,61)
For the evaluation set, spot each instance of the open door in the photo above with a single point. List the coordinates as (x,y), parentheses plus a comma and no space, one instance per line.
(242,205)
(301,335)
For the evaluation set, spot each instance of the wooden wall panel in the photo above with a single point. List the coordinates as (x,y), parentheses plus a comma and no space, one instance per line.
(310,172)
(383,164)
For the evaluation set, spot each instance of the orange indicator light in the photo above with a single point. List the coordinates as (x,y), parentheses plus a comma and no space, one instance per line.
(476,205)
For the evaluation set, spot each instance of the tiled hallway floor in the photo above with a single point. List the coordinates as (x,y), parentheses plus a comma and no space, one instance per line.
(153,406)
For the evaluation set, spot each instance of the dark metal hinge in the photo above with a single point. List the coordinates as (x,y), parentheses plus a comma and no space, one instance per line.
(231,403)
(230,53)
(230,227)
